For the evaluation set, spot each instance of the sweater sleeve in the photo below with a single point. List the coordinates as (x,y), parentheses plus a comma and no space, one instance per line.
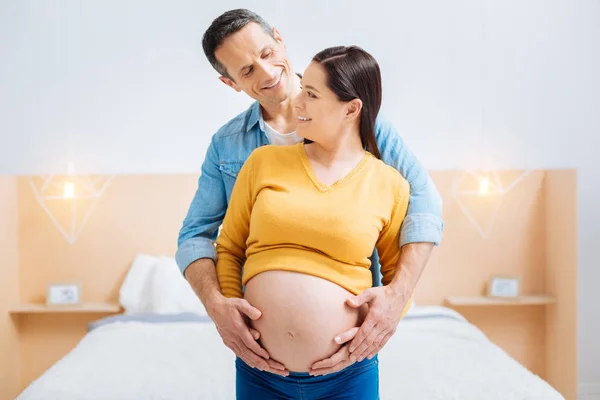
(231,243)
(388,244)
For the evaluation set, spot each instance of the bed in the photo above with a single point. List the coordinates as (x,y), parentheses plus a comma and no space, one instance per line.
(435,354)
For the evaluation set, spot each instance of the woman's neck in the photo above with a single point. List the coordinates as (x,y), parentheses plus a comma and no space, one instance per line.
(347,150)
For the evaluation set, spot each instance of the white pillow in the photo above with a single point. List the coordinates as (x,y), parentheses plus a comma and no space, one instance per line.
(155,285)
(172,292)
(135,293)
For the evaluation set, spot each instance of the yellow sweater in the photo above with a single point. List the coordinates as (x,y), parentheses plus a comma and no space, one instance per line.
(281,217)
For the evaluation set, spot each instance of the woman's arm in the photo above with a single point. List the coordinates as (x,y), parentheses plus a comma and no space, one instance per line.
(231,243)
(388,244)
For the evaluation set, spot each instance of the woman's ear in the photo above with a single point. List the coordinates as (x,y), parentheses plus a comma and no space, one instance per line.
(353,109)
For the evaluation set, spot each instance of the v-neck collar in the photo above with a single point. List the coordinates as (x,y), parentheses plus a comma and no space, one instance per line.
(313,177)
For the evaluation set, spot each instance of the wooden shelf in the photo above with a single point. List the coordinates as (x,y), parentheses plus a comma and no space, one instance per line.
(494,301)
(83,308)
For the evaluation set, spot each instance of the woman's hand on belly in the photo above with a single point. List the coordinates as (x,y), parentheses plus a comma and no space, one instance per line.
(340,359)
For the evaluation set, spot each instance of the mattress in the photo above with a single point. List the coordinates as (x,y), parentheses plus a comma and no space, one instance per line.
(435,354)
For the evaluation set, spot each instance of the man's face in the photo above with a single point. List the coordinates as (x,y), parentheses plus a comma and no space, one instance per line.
(257,64)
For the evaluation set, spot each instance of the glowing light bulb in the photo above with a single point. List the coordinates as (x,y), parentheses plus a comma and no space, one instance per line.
(484,186)
(69,192)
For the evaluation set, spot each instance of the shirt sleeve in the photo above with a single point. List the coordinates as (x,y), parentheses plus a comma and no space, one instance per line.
(423,222)
(205,214)
(388,244)
(231,243)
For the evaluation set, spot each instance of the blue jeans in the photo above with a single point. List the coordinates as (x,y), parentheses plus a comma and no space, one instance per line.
(359,381)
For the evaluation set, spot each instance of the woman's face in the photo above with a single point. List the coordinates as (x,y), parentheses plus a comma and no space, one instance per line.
(319,112)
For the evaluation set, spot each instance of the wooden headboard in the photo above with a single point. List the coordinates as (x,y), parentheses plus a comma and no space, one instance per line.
(533,236)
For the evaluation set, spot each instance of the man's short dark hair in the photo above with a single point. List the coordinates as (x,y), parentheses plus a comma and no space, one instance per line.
(224,26)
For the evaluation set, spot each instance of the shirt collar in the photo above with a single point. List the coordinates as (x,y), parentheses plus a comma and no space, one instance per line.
(254,117)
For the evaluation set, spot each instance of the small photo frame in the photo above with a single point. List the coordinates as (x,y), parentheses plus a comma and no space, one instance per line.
(504,286)
(61,294)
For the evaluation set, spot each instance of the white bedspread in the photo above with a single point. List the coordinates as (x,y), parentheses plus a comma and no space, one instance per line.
(430,357)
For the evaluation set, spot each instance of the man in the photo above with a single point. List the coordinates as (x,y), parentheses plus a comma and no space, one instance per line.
(251,57)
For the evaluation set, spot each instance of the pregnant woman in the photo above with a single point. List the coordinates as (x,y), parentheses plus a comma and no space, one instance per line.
(303,221)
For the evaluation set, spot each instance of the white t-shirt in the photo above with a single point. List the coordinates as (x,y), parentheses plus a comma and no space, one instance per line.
(282,138)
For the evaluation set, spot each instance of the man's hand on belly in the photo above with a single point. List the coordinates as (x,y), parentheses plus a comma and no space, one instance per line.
(387,306)
(228,315)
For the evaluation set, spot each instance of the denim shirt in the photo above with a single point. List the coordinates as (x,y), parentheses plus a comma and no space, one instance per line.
(231,146)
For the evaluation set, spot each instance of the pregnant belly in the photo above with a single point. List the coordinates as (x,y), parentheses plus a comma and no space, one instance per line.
(301,315)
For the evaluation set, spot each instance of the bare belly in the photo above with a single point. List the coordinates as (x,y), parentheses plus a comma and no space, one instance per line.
(301,315)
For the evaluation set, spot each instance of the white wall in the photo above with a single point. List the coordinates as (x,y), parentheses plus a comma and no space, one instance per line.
(123,87)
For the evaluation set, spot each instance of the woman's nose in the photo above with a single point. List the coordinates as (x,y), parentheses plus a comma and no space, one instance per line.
(298,101)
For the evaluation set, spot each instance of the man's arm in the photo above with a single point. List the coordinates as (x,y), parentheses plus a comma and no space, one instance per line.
(423,222)
(196,256)
(388,303)
(205,215)
(202,277)
(421,230)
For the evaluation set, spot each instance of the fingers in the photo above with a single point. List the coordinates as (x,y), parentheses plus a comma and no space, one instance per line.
(374,347)
(246,335)
(276,365)
(255,334)
(250,343)
(336,358)
(249,358)
(253,360)
(363,332)
(238,336)
(336,368)
(360,352)
(346,336)
(245,307)
(383,342)
(277,368)
(278,372)
(361,299)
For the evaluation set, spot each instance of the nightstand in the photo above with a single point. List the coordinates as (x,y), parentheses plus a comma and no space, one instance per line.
(83,308)
(518,325)
(455,301)
(48,333)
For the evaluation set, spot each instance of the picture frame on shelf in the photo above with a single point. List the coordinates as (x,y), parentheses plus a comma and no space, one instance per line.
(504,286)
(63,294)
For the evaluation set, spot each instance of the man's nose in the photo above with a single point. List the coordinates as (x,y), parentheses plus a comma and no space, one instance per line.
(269,71)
